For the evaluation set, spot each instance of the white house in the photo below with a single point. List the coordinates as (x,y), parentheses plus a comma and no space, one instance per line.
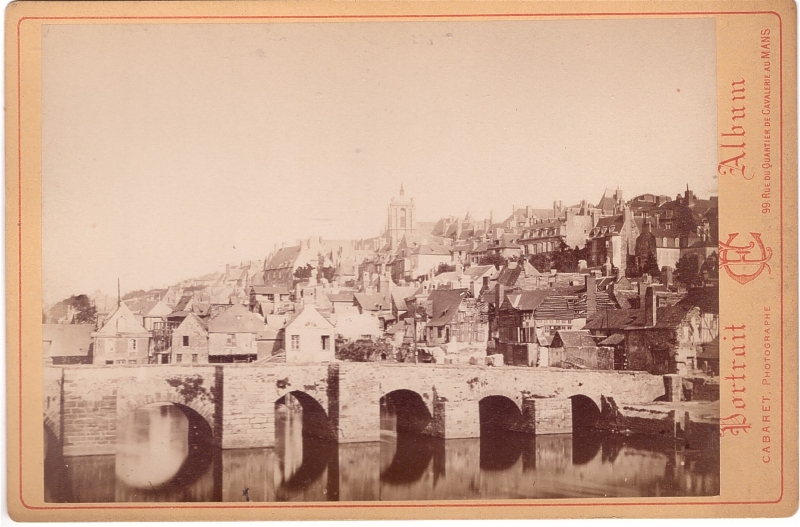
(309,337)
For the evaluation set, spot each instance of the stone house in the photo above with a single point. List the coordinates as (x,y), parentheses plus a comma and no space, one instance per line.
(232,335)
(190,341)
(578,349)
(309,337)
(121,340)
(613,239)
(544,236)
(426,258)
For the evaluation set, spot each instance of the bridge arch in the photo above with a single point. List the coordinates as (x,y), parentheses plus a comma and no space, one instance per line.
(585,411)
(498,412)
(516,398)
(410,410)
(315,419)
(196,406)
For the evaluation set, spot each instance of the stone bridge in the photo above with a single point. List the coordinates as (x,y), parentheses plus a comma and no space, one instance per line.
(234,404)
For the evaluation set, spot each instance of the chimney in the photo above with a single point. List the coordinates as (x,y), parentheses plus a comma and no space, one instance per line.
(650,310)
(591,295)
(529,212)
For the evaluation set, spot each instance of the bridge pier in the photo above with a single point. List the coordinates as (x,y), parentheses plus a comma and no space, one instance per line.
(546,416)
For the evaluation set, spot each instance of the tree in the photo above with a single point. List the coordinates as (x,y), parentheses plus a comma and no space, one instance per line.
(495,259)
(85,312)
(303,273)
(687,270)
(327,273)
(543,262)
(651,265)
(445,268)
(363,351)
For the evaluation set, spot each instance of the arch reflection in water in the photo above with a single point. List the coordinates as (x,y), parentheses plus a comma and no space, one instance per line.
(306,458)
(164,453)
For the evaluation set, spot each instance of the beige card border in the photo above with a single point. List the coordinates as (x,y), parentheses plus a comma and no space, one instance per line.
(23,254)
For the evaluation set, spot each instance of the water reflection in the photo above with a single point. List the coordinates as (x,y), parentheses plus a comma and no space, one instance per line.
(164,456)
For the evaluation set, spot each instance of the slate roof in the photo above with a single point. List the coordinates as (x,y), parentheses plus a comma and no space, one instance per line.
(479,248)
(341,297)
(372,301)
(68,340)
(607,202)
(575,339)
(432,249)
(606,225)
(182,303)
(236,319)
(285,257)
(531,300)
(615,319)
(613,340)
(477,270)
(141,307)
(508,276)
(445,304)
(399,295)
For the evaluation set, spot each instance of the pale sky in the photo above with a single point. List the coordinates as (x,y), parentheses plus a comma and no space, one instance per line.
(169,150)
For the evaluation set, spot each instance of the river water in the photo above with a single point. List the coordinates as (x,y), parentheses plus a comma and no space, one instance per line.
(160,459)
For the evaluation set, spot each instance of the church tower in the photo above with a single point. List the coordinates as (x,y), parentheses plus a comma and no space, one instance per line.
(401,218)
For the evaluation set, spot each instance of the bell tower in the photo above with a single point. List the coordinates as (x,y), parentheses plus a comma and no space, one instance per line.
(401,218)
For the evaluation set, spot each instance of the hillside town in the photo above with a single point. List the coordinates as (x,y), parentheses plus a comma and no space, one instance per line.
(617,285)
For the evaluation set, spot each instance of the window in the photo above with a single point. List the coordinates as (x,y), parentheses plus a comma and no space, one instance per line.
(231,341)
(109,362)
(186,340)
(132,361)
(120,362)
(326,342)
(194,357)
(178,357)
(402,218)
(295,342)
(132,345)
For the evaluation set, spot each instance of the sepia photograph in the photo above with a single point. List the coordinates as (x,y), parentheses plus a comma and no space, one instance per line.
(381,261)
